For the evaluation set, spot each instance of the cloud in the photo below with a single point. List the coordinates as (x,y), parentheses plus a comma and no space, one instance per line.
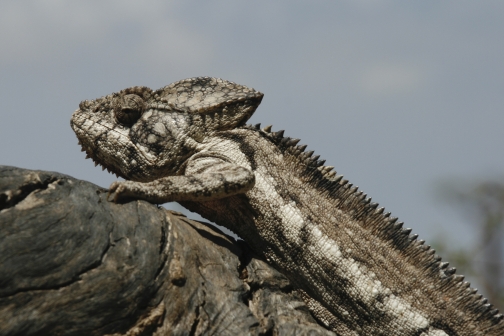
(391,79)
(37,31)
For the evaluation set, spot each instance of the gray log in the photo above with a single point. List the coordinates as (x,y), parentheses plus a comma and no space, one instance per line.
(72,263)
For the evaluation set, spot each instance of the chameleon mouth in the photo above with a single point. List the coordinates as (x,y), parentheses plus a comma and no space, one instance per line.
(77,122)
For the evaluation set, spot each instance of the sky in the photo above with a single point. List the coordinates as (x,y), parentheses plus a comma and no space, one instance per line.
(399,96)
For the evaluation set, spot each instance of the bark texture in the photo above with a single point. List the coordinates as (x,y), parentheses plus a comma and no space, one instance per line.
(73,263)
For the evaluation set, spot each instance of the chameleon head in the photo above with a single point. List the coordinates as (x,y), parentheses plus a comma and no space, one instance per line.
(141,135)
(131,133)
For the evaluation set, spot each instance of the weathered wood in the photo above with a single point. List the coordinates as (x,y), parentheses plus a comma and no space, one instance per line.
(72,263)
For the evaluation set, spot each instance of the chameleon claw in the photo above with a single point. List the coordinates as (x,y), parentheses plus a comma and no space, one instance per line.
(113,190)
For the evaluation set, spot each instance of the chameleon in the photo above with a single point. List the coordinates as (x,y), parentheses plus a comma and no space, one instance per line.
(359,271)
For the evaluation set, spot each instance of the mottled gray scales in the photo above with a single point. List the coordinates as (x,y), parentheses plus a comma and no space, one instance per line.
(357,268)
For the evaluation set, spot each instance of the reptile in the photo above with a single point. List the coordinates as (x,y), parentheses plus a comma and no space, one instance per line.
(359,271)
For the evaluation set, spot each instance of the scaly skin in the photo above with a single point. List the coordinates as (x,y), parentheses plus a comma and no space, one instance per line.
(357,269)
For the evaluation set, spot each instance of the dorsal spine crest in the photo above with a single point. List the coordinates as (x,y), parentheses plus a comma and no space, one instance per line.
(380,222)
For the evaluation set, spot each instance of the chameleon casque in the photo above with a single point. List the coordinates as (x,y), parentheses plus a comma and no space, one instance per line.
(358,270)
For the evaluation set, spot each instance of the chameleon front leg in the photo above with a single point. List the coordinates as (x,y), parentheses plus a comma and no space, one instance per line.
(206,177)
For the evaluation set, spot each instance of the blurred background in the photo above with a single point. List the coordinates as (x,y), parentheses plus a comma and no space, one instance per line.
(405,98)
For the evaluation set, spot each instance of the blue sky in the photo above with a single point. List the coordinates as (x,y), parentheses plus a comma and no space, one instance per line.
(397,95)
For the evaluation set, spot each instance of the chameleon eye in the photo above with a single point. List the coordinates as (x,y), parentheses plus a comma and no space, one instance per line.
(128,109)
